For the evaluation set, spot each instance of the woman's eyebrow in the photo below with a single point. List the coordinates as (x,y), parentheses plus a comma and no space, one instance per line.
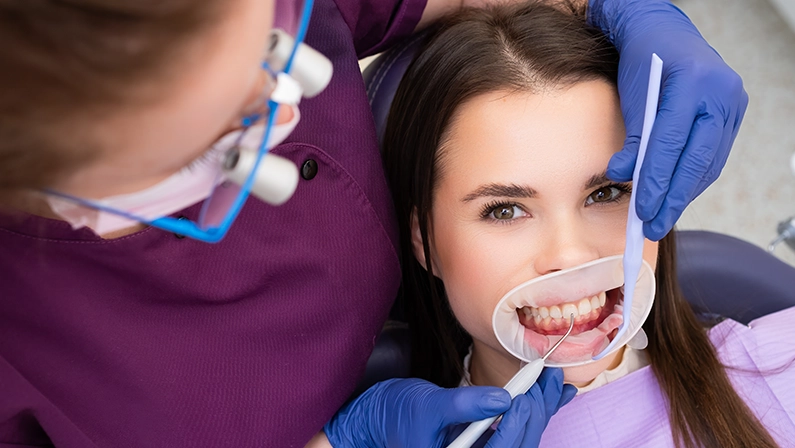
(502,190)
(597,180)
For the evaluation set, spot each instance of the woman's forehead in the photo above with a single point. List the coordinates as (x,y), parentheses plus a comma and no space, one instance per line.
(508,135)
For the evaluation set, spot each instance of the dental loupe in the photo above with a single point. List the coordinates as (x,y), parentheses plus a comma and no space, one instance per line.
(276,178)
(310,68)
(525,319)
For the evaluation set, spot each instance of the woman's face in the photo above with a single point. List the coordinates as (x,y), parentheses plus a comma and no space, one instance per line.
(217,77)
(522,192)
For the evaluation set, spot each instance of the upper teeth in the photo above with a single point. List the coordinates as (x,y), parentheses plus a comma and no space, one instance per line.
(582,307)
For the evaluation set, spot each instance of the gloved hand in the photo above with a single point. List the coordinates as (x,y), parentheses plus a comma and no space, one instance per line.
(524,423)
(699,114)
(416,413)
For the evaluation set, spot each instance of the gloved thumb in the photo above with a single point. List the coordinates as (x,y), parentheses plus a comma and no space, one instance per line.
(568,394)
(622,164)
(469,404)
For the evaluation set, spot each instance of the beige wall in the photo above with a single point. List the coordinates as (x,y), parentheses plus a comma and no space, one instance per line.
(757,187)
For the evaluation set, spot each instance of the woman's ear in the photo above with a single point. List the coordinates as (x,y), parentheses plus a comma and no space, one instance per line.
(416,240)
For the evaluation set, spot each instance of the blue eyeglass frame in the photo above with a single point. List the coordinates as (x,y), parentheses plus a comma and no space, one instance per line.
(186,227)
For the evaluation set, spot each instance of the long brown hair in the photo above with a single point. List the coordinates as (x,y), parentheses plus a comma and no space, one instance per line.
(530,48)
(66,63)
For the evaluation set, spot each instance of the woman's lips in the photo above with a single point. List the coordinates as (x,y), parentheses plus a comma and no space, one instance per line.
(591,333)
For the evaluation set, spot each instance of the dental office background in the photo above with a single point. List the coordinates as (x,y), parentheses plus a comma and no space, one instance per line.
(756,189)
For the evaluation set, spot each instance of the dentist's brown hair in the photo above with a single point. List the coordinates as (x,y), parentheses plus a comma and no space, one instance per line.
(65,64)
(534,47)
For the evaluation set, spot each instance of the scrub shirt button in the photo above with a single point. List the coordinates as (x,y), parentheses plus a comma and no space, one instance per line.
(179,237)
(309,169)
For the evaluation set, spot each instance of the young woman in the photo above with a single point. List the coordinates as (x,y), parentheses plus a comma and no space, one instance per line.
(496,153)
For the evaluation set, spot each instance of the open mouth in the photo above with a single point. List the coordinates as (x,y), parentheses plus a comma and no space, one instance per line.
(534,315)
(596,319)
(589,313)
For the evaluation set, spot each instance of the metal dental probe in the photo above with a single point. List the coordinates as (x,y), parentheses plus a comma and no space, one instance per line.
(519,384)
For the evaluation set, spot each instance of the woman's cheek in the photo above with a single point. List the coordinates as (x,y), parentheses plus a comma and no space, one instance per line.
(650,250)
(477,269)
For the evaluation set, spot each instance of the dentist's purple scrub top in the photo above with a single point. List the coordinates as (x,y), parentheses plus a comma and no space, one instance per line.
(155,341)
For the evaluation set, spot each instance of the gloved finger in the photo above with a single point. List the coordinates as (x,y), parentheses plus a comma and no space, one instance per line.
(672,129)
(721,156)
(734,114)
(469,404)
(550,383)
(622,164)
(692,168)
(510,430)
(568,394)
(537,421)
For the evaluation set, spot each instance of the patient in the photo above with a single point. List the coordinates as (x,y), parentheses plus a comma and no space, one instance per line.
(496,149)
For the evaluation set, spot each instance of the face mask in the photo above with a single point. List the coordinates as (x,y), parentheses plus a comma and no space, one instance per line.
(532,317)
(183,189)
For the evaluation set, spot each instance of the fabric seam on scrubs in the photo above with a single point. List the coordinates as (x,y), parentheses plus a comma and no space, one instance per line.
(100,240)
(360,191)
(43,397)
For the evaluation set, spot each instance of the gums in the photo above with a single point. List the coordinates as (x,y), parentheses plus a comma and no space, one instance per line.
(612,298)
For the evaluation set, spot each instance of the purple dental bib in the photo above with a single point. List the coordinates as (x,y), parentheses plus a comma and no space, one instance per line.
(632,411)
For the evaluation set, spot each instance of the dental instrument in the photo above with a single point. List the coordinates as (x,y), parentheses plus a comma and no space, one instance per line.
(519,384)
(633,251)
(786,234)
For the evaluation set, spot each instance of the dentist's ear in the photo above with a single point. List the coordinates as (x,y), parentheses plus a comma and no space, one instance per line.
(416,240)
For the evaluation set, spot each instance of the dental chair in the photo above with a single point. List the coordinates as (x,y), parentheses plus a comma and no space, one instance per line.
(721,276)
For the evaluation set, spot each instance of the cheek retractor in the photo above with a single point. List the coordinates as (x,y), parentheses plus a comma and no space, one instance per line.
(529,320)
(519,384)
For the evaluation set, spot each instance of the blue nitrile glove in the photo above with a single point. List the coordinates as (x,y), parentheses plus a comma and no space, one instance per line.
(411,413)
(700,110)
(416,413)
(524,423)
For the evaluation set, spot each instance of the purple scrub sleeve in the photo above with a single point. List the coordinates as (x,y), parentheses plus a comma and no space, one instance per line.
(153,340)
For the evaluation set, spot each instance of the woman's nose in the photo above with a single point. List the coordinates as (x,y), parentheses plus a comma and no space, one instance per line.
(567,243)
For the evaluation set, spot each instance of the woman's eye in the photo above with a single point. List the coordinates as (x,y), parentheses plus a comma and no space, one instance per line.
(506,212)
(605,194)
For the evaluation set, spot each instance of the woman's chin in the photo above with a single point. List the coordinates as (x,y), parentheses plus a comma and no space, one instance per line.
(581,376)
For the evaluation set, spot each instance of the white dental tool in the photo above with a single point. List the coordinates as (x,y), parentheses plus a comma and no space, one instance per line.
(633,252)
(519,384)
